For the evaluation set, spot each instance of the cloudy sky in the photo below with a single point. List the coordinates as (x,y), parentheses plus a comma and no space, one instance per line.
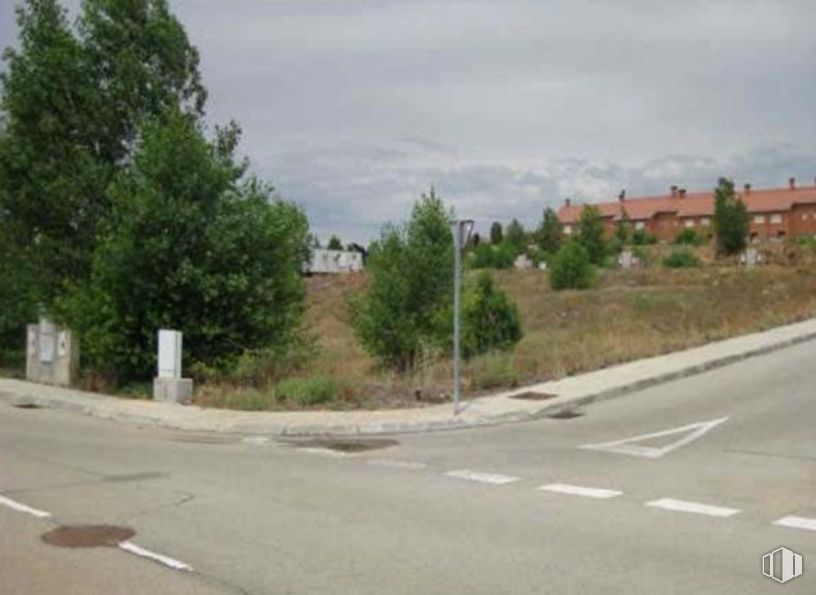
(353,108)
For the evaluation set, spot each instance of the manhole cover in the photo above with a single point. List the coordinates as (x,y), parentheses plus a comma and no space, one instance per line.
(27,406)
(88,536)
(566,414)
(345,445)
(533,396)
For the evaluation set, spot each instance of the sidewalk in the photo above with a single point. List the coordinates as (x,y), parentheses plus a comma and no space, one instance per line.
(570,392)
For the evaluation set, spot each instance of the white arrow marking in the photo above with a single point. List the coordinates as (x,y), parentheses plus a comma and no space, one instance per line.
(627,446)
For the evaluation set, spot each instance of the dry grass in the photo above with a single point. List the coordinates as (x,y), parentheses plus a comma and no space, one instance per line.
(629,315)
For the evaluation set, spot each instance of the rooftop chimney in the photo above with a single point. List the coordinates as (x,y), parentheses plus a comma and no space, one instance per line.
(747,188)
(622,195)
(682,192)
(567,201)
(673,189)
(792,183)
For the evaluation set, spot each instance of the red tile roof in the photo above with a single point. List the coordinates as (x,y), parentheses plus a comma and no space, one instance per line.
(694,204)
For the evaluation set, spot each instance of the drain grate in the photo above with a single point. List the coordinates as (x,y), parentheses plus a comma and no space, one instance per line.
(88,536)
(347,446)
(533,396)
(566,414)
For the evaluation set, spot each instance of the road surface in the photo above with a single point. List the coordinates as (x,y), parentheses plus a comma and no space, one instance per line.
(675,489)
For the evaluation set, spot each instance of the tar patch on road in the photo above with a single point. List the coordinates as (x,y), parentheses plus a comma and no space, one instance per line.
(76,536)
(26,405)
(566,414)
(533,396)
(346,446)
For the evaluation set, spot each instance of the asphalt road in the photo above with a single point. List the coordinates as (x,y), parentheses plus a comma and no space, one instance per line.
(447,513)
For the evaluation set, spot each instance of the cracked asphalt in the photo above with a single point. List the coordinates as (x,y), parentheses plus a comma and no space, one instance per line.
(520,508)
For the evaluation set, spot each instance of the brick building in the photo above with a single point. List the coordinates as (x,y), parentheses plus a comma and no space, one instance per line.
(778,212)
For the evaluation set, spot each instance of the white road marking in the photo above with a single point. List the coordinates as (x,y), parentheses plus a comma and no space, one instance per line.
(23,508)
(395,464)
(797,522)
(626,446)
(494,478)
(166,560)
(693,507)
(573,490)
(256,440)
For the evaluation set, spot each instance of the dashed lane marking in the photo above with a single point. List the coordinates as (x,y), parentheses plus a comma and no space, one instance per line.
(494,478)
(18,506)
(797,522)
(131,547)
(692,507)
(573,490)
(395,464)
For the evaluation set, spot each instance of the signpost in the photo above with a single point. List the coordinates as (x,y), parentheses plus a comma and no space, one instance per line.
(462,229)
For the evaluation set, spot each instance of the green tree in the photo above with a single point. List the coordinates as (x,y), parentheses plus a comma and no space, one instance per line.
(591,234)
(410,271)
(571,268)
(189,244)
(496,233)
(334,243)
(730,219)
(490,321)
(516,236)
(623,229)
(550,233)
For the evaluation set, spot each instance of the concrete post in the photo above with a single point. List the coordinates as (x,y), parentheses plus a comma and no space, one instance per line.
(168,384)
(52,354)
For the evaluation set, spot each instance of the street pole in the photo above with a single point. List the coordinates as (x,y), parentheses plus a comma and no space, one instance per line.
(459,241)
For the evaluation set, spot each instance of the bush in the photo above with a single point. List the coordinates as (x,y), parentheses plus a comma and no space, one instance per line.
(681,259)
(490,321)
(641,237)
(730,219)
(489,256)
(307,391)
(570,268)
(591,235)
(189,246)
(688,237)
(410,270)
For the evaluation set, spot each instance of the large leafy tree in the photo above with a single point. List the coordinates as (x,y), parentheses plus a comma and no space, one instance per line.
(189,244)
(730,219)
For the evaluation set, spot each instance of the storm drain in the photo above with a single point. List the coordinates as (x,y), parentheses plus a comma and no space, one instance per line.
(566,414)
(75,536)
(533,396)
(346,446)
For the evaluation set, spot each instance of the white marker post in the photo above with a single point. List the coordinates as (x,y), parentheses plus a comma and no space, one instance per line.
(461,235)
(168,384)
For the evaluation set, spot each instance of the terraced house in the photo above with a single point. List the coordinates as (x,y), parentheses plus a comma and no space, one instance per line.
(775,212)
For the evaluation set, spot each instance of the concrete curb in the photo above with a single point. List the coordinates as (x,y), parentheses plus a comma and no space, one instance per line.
(573,392)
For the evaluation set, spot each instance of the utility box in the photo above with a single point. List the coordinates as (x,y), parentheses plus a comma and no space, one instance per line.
(168,384)
(52,354)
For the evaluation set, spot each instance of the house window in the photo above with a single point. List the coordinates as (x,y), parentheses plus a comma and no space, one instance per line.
(639,225)
(705,221)
(568,229)
(776,218)
(689,222)
(759,219)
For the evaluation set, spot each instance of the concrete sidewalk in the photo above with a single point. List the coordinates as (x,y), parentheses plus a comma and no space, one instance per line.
(502,407)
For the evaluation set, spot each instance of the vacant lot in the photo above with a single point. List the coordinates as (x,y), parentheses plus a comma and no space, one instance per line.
(629,315)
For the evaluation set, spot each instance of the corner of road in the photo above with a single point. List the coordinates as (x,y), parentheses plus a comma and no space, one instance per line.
(504,407)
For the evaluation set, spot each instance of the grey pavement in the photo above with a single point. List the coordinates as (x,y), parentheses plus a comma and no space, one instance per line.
(444,512)
(494,409)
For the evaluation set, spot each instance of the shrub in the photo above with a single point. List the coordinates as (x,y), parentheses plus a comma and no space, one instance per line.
(489,256)
(570,268)
(307,391)
(730,219)
(410,270)
(681,259)
(641,237)
(490,321)
(688,237)
(591,234)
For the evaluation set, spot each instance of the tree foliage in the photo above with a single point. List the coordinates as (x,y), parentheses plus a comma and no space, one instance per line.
(516,236)
(591,234)
(490,321)
(189,245)
(550,233)
(334,243)
(730,219)
(496,233)
(571,267)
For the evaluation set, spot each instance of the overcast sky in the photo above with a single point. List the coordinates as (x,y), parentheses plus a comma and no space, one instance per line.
(352,108)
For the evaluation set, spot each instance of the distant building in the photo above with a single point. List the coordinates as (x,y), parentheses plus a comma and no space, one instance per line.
(774,213)
(333,262)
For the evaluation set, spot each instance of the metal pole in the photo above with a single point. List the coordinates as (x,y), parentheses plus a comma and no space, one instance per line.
(457,290)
